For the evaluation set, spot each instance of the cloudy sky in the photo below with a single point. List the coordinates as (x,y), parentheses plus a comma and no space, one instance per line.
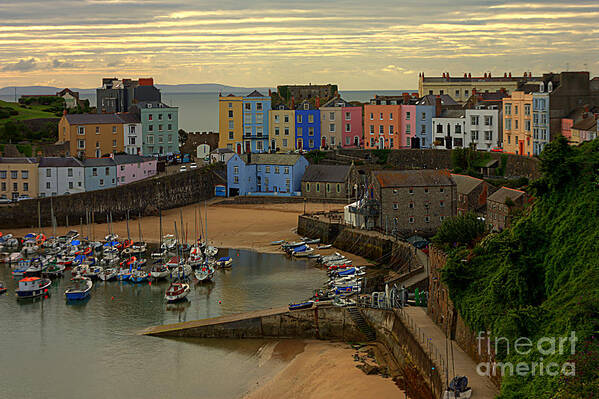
(377,44)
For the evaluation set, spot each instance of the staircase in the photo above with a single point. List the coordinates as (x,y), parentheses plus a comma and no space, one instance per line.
(363,326)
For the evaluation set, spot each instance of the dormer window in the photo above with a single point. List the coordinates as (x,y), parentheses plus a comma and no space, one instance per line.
(549,87)
(306,106)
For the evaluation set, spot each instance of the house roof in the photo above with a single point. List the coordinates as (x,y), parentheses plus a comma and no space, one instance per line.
(453,113)
(336,102)
(128,158)
(300,106)
(504,193)
(67,90)
(152,104)
(129,117)
(272,159)
(413,178)
(59,162)
(465,184)
(222,151)
(93,119)
(92,162)
(431,99)
(586,124)
(255,93)
(18,160)
(326,173)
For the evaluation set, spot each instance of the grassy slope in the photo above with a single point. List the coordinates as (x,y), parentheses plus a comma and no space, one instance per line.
(541,279)
(25,113)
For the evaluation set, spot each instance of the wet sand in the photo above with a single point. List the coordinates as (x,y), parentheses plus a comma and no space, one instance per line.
(229,226)
(322,370)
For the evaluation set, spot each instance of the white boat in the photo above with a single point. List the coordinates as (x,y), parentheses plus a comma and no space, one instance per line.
(93,272)
(181,272)
(195,257)
(80,289)
(31,287)
(108,274)
(159,272)
(327,246)
(169,242)
(210,251)
(29,247)
(176,292)
(204,273)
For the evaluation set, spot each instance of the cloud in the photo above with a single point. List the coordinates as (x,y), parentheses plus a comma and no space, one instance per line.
(56,64)
(21,66)
(393,68)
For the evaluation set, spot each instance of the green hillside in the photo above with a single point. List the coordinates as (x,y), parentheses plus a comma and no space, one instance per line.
(540,278)
(23,112)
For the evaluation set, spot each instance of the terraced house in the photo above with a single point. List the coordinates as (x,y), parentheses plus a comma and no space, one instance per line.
(282,129)
(160,128)
(91,135)
(307,126)
(256,107)
(18,178)
(230,123)
(60,176)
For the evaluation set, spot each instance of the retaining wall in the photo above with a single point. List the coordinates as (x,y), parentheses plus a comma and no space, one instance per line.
(143,197)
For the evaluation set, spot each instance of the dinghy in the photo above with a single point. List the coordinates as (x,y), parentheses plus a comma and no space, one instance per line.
(79,290)
(177,291)
(225,262)
(301,305)
(108,274)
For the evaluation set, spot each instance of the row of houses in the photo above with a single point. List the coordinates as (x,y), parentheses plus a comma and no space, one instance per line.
(52,176)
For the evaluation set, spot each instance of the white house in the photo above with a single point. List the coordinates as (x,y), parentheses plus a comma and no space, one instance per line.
(483,127)
(133,135)
(221,155)
(449,129)
(59,176)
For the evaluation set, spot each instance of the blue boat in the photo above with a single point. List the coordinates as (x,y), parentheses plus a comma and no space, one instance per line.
(21,268)
(301,305)
(139,276)
(124,274)
(32,287)
(79,290)
(345,290)
(347,272)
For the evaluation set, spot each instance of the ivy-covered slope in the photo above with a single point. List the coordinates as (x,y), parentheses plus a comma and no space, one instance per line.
(540,278)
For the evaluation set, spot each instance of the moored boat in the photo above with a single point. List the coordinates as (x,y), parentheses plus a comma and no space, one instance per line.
(31,287)
(139,276)
(204,273)
(160,271)
(2,288)
(108,274)
(177,291)
(80,289)
(301,305)
(225,262)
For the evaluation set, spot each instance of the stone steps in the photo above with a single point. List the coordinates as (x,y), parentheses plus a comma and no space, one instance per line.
(362,325)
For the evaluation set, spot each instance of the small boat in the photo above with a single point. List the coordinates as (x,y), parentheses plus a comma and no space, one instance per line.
(35,268)
(176,292)
(204,273)
(93,272)
(314,256)
(29,247)
(111,237)
(327,246)
(159,255)
(312,241)
(181,272)
(301,305)
(160,271)
(108,274)
(2,288)
(54,270)
(31,287)
(292,244)
(210,251)
(279,242)
(124,274)
(13,258)
(225,262)
(80,289)
(174,262)
(303,254)
(458,388)
(21,268)
(169,242)
(139,276)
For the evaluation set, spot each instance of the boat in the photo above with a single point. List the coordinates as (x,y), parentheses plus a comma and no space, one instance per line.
(13,258)
(174,262)
(31,287)
(458,388)
(108,274)
(288,245)
(80,289)
(279,242)
(195,257)
(225,262)
(111,237)
(93,272)
(21,267)
(204,273)
(301,305)
(177,291)
(303,254)
(314,256)
(35,268)
(312,241)
(2,288)
(159,271)
(139,276)
(54,269)
(169,242)
(181,272)
(29,247)
(124,274)
(327,246)
(210,251)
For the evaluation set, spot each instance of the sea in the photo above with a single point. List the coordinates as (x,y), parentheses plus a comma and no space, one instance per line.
(53,349)
(198,112)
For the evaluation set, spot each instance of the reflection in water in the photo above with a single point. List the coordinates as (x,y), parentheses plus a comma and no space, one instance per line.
(51,349)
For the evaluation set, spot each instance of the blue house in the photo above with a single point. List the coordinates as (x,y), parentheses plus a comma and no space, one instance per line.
(265,174)
(424,126)
(307,127)
(100,173)
(255,122)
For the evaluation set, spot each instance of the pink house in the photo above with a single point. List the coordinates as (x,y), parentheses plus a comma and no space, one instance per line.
(352,135)
(408,124)
(130,168)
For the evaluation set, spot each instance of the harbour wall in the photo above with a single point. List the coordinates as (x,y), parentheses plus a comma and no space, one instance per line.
(392,330)
(320,322)
(144,197)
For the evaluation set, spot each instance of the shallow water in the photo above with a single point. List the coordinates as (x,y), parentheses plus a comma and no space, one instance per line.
(51,349)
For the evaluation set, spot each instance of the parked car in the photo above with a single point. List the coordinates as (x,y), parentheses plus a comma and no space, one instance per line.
(183,169)
(5,201)
(23,197)
(193,166)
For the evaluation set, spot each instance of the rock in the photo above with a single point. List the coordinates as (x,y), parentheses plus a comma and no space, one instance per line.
(368,369)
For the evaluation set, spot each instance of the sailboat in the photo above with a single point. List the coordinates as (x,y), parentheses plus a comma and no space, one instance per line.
(205,272)
(177,291)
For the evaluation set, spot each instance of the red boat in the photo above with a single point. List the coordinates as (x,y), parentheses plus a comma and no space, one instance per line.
(176,292)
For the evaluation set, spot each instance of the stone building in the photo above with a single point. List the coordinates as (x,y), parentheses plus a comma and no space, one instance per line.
(472,193)
(413,201)
(330,182)
(60,176)
(500,206)
(118,95)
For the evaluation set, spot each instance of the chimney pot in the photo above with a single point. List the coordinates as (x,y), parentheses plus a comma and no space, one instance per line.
(505,74)
(510,74)
(485,75)
(469,75)
(489,75)
(465,75)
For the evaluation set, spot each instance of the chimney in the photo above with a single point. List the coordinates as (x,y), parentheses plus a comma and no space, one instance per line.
(510,74)
(474,91)
(465,75)
(269,92)
(437,106)
(525,74)
(485,75)
(292,102)
(406,97)
(64,112)
(505,74)
(530,74)
(489,75)
(317,102)
(443,74)
(469,75)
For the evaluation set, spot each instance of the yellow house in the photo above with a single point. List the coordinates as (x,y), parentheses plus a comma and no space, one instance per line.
(282,129)
(92,135)
(18,177)
(517,124)
(230,123)
(584,130)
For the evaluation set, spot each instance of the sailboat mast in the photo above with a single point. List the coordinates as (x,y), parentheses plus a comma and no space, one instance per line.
(139,226)
(128,233)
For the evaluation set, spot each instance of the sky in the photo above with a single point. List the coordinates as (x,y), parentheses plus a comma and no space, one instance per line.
(359,45)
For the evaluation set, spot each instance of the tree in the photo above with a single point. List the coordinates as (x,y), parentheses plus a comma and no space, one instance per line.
(183,136)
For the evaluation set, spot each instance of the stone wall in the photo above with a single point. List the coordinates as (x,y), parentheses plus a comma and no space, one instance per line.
(393,332)
(143,197)
(314,228)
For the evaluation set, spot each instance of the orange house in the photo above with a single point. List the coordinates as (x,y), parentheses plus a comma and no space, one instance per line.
(92,135)
(382,126)
(517,124)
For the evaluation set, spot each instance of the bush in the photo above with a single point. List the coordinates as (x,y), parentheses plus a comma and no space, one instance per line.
(461,230)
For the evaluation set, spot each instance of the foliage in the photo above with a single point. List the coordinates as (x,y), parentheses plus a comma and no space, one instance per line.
(517,183)
(540,278)
(461,230)
(183,136)
(315,156)
(25,149)
(382,156)
(502,165)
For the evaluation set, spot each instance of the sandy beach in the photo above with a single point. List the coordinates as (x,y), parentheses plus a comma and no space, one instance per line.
(229,226)
(322,370)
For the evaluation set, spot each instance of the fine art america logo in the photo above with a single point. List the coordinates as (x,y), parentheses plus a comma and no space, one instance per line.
(545,346)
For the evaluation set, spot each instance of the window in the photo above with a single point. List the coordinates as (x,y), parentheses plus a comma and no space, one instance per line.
(277,131)
(259,145)
(424,116)
(248,106)
(286,119)
(150,128)
(70,172)
(306,106)
(408,129)
(395,206)
(457,93)
(310,131)
(515,110)
(286,170)
(442,204)
(170,138)
(338,187)
(381,116)
(408,115)
(3,186)
(159,128)
(527,125)
(381,129)
(439,128)
(371,129)
(15,186)
(411,190)
(516,124)
(97,144)
(411,219)
(267,169)
(474,135)
(284,142)
(317,187)
(332,127)
(81,144)
(391,142)
(311,143)
(508,124)
(101,182)
(48,185)
(286,131)
(25,186)
(441,190)
(411,205)
(170,116)
(71,185)
(231,136)
(458,128)
(426,190)
(328,188)
(331,116)
(81,130)
(526,109)
(150,117)
(390,129)
(371,142)
(423,129)
(114,129)
(150,139)
(114,143)
(97,129)
(259,106)
(300,131)
(277,170)
(371,116)
(507,109)
(474,120)
(3,174)
(488,135)
(107,171)
(236,170)
(348,116)
(488,120)
(259,131)
(24,174)
(299,119)
(94,172)
(310,118)
(259,118)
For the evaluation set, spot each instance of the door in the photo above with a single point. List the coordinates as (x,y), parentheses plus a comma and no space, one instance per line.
(239,148)
(273,146)
(381,142)
(259,183)
(248,148)
(356,141)
(521,143)
(300,144)
(324,142)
